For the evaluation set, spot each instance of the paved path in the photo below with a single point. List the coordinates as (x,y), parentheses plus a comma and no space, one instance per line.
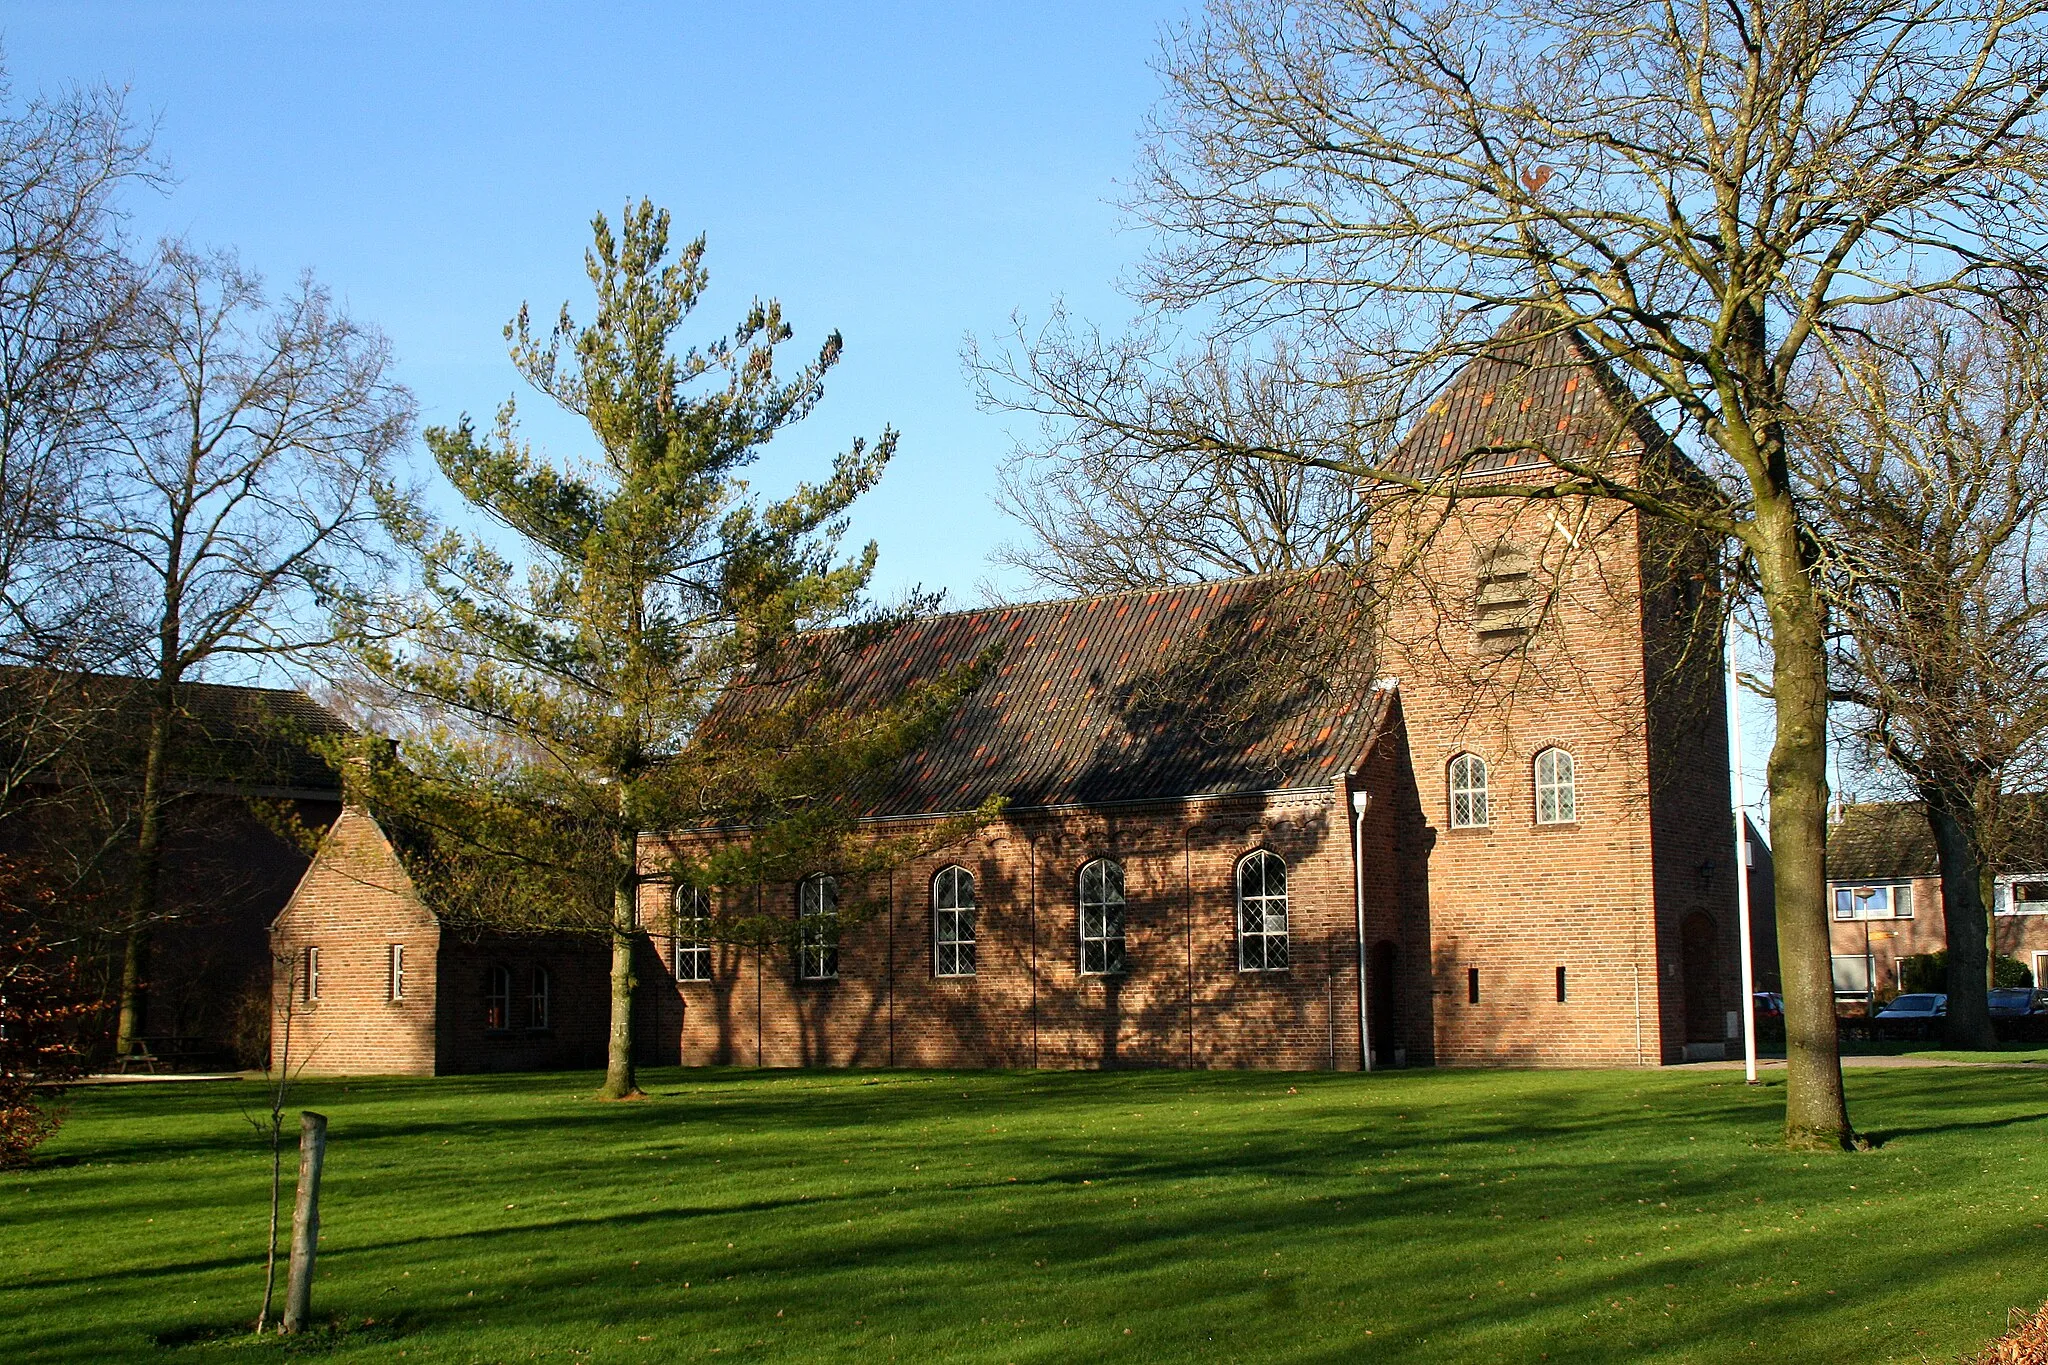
(141,1078)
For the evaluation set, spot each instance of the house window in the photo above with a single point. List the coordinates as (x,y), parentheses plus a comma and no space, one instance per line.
(817,913)
(1885,900)
(312,975)
(1102,918)
(690,939)
(498,1000)
(398,971)
(537,999)
(1502,604)
(1560,985)
(1471,985)
(1468,792)
(953,922)
(2022,896)
(1556,788)
(1261,913)
(1853,975)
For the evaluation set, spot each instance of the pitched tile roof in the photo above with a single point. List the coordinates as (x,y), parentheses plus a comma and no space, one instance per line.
(225,735)
(1877,841)
(1135,696)
(1531,385)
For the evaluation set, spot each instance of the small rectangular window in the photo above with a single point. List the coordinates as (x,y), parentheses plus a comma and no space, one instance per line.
(1471,985)
(312,975)
(398,971)
(1560,985)
(537,1000)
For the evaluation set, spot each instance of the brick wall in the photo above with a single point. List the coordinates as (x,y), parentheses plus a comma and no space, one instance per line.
(1182,1000)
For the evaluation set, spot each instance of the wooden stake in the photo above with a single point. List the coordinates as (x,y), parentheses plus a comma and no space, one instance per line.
(298,1296)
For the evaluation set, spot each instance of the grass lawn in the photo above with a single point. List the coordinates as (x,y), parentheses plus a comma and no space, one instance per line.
(1414,1216)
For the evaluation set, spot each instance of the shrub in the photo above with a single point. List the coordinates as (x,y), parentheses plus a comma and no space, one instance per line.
(40,1009)
(1929,972)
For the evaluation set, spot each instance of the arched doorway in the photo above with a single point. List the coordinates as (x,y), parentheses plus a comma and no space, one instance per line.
(1700,967)
(1382,997)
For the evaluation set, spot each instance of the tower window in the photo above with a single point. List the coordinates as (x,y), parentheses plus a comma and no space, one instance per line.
(1471,985)
(1468,792)
(1557,788)
(1503,602)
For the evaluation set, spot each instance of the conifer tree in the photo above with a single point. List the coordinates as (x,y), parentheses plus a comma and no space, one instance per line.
(574,671)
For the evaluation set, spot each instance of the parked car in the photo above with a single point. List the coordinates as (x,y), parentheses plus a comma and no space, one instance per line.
(1915,1015)
(1769,1005)
(2017,1002)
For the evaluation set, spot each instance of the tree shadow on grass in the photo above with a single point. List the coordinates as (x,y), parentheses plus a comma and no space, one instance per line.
(1878,1137)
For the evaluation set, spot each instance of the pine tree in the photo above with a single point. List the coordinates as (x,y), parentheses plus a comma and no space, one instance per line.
(575,671)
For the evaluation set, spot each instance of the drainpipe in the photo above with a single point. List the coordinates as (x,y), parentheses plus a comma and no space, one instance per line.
(1359,801)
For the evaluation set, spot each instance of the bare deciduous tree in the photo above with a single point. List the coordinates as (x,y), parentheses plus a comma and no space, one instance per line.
(1927,446)
(241,500)
(1701,193)
(67,301)
(1099,522)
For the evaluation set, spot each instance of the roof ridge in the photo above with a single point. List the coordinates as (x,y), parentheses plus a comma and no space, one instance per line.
(1194,585)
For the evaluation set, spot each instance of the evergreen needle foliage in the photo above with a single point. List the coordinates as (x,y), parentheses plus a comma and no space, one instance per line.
(659,646)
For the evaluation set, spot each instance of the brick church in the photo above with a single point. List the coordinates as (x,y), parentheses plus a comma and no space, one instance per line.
(1475,812)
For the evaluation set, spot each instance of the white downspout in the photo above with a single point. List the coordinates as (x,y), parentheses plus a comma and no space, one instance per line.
(1741,866)
(1359,801)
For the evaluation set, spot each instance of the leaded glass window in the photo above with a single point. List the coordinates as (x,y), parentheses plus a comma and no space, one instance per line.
(1557,800)
(1261,913)
(817,909)
(1102,918)
(1468,792)
(953,922)
(691,943)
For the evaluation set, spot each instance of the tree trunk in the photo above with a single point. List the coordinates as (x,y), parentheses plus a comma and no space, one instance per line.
(1816,1107)
(619,1080)
(148,863)
(1965,922)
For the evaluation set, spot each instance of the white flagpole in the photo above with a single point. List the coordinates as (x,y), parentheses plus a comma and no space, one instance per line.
(1741,864)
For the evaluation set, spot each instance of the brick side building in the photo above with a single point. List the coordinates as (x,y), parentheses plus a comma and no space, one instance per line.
(241,771)
(370,981)
(1473,812)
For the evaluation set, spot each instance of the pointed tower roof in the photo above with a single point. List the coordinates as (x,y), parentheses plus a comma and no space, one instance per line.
(1534,388)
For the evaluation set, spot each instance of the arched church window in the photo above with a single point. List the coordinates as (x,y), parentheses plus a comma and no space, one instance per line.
(953,922)
(817,910)
(1102,918)
(1261,912)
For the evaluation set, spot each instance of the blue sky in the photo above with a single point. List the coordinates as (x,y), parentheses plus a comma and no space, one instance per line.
(908,174)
